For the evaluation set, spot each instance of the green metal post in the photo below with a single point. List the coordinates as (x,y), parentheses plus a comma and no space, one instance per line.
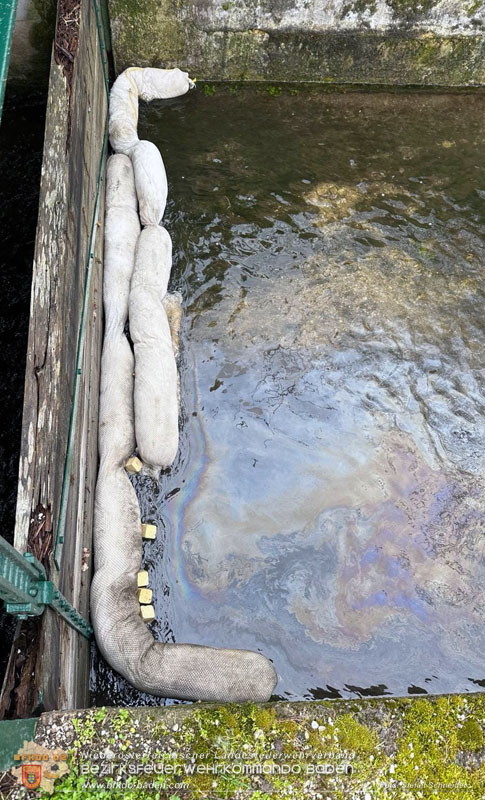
(8,9)
(79,359)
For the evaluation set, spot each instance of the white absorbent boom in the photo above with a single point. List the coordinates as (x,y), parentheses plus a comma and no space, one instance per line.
(139,408)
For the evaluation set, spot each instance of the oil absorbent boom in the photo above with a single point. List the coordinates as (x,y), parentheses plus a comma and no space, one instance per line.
(156,389)
(136,273)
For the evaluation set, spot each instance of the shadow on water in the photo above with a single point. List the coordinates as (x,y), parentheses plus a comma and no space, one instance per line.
(21,141)
(326,507)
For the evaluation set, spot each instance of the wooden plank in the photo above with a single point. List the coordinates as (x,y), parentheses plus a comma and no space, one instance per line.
(67,204)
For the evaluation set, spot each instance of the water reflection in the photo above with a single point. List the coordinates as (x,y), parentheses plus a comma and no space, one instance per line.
(327,504)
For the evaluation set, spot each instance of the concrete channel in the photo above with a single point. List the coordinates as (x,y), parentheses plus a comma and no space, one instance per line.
(383,43)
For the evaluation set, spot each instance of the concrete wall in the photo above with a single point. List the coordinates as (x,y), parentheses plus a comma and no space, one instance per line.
(343,41)
(31,45)
(300,750)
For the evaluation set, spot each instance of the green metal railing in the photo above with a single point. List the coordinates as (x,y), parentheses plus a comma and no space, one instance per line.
(66,482)
(26,592)
(8,9)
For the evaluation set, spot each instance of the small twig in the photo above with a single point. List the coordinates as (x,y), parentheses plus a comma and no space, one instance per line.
(46,547)
(65,52)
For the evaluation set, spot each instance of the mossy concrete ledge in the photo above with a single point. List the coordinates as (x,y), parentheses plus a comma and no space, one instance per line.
(408,748)
(394,42)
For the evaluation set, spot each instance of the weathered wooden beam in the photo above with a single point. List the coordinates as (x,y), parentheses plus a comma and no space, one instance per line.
(75,126)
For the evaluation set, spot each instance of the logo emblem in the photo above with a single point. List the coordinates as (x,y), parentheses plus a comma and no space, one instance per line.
(51,765)
(31,775)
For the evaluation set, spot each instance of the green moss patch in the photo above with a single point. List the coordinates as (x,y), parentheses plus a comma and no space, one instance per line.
(377,748)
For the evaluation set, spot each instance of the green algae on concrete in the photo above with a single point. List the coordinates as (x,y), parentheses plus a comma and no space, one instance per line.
(377,748)
(397,43)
